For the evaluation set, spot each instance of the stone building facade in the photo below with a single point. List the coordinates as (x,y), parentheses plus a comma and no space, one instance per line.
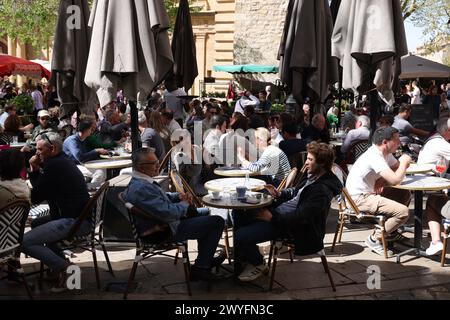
(236,32)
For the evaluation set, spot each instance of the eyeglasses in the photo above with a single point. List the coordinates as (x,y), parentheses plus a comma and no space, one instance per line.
(45,136)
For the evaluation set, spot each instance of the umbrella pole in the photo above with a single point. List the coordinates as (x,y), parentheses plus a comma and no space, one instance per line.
(374,111)
(340,98)
(136,143)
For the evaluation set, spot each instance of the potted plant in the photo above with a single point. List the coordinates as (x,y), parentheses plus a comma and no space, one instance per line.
(278,107)
(24,104)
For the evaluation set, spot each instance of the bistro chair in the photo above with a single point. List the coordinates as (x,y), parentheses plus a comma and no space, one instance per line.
(356,150)
(275,248)
(182,186)
(288,181)
(297,160)
(157,241)
(95,213)
(349,210)
(12,225)
(165,162)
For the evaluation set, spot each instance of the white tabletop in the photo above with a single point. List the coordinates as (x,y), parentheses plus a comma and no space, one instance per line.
(108,164)
(419,168)
(227,202)
(238,172)
(336,143)
(124,179)
(424,183)
(18,145)
(232,183)
(116,156)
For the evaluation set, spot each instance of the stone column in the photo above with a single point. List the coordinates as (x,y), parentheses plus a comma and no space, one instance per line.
(21,52)
(200,44)
(12,52)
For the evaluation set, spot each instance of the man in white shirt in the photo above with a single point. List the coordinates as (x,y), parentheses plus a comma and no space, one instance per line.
(211,150)
(437,146)
(415,94)
(367,181)
(247,99)
(362,132)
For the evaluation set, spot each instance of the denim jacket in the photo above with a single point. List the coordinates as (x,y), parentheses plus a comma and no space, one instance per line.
(146,195)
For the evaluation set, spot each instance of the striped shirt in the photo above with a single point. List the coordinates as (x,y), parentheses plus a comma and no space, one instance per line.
(273,162)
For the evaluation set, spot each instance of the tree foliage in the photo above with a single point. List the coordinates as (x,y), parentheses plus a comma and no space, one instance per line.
(33,21)
(433,17)
(30,21)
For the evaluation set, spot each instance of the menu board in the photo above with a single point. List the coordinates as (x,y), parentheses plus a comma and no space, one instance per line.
(422,117)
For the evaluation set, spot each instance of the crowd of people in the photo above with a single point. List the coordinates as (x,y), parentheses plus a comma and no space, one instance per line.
(201,136)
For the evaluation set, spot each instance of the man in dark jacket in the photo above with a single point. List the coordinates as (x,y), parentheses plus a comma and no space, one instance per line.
(57,180)
(317,130)
(299,213)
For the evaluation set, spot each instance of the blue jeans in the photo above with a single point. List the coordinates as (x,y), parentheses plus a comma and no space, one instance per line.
(39,242)
(246,240)
(207,230)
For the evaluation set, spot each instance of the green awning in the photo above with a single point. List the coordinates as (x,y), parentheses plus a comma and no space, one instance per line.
(246,68)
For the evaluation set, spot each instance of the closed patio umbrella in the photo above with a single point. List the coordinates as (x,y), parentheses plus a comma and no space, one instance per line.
(369,39)
(183,48)
(69,59)
(129,50)
(306,65)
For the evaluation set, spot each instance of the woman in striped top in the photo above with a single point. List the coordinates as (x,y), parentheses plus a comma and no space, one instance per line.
(272,162)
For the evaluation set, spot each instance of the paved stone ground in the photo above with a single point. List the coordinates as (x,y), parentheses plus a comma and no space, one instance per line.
(414,278)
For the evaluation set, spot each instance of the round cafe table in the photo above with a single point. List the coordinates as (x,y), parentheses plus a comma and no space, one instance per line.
(116,157)
(234,172)
(419,184)
(108,165)
(18,145)
(227,202)
(231,184)
(415,168)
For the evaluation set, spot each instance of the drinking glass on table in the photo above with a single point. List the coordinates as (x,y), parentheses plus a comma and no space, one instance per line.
(441,167)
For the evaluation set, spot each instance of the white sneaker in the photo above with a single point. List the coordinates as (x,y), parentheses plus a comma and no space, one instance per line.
(434,248)
(377,247)
(251,272)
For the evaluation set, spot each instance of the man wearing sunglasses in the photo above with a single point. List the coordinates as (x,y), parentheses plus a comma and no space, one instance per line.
(57,180)
(185,221)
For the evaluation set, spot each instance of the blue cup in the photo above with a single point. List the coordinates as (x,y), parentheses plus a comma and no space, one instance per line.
(241,192)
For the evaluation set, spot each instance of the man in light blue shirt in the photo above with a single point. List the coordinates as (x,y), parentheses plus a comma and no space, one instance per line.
(185,221)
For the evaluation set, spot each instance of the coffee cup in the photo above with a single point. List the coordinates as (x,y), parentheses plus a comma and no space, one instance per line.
(215,195)
(241,192)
